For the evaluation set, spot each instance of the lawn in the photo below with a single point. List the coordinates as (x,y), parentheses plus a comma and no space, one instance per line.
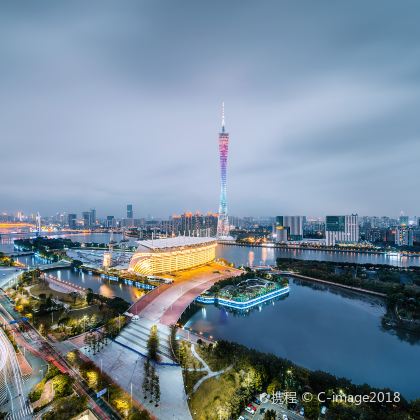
(191,378)
(215,363)
(188,360)
(211,401)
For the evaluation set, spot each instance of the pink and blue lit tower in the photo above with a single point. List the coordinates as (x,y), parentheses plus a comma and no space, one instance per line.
(223,222)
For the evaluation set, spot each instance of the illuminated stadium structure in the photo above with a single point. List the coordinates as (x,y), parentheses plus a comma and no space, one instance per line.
(172,254)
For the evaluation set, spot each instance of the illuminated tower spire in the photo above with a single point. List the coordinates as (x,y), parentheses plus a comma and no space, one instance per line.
(223,117)
(223,222)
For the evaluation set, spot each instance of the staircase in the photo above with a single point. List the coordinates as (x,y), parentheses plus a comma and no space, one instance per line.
(136,334)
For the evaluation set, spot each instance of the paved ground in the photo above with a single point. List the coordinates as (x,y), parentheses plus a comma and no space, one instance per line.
(8,276)
(279,409)
(126,368)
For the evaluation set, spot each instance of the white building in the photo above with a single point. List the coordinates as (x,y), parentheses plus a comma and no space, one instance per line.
(341,229)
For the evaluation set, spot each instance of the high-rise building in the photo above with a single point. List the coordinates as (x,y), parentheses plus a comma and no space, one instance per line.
(223,221)
(404,236)
(193,224)
(110,221)
(87,222)
(92,217)
(341,229)
(294,226)
(71,220)
(129,211)
(403,220)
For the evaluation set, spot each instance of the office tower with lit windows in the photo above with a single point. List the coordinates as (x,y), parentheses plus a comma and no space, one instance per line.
(129,211)
(341,229)
(293,225)
(71,219)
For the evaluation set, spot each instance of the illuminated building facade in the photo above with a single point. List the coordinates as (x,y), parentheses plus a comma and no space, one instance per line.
(172,254)
(107,262)
(223,222)
(341,229)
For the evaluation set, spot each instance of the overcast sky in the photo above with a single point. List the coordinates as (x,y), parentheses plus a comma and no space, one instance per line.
(108,103)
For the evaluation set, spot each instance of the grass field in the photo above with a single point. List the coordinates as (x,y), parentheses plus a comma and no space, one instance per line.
(213,361)
(212,398)
(191,378)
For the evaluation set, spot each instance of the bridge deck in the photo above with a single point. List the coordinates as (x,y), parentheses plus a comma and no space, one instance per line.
(168,302)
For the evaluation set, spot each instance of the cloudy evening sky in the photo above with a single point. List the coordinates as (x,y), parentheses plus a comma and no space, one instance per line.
(107,103)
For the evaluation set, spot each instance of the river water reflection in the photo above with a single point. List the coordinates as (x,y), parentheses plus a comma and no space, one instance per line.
(322,328)
(316,326)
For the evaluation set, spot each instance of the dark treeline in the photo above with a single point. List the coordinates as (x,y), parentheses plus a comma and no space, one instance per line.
(272,373)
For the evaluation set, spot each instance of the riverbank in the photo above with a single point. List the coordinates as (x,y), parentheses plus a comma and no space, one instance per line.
(332,320)
(321,248)
(250,372)
(355,289)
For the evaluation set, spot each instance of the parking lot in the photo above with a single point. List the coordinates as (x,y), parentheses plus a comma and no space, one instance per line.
(278,408)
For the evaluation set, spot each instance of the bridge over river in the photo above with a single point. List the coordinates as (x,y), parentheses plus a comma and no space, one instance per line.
(166,303)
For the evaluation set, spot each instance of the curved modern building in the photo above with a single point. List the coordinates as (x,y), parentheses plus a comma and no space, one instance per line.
(172,254)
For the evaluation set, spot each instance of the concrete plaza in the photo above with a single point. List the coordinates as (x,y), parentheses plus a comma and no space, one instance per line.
(127,369)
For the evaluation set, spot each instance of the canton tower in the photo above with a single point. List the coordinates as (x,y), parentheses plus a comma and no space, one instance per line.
(222,222)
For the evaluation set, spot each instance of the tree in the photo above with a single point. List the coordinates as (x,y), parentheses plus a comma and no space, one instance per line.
(415,409)
(312,409)
(270,415)
(89,296)
(151,382)
(274,386)
(153,344)
(156,389)
(146,378)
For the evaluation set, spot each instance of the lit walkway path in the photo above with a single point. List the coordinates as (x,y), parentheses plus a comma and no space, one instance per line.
(211,374)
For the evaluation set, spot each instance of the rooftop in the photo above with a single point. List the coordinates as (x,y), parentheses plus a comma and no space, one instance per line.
(176,242)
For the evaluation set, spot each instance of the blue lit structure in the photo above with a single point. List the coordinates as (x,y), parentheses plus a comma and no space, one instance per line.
(236,304)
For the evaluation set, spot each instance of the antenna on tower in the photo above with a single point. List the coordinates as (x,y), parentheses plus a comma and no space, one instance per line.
(223,117)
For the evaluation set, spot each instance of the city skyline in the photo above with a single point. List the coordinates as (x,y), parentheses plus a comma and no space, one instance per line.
(119,106)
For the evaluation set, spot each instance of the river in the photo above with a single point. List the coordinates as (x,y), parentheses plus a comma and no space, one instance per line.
(322,328)
(315,326)
(247,255)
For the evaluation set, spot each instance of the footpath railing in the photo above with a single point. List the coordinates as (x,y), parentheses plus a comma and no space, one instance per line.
(71,287)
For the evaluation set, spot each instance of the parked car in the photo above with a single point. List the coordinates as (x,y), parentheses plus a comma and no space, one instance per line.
(241,418)
(256,401)
(302,411)
(263,397)
(250,408)
(285,417)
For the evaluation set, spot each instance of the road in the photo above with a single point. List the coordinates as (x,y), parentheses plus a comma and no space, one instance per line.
(12,398)
(33,342)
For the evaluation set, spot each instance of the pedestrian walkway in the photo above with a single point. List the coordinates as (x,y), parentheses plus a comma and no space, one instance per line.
(126,367)
(210,374)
